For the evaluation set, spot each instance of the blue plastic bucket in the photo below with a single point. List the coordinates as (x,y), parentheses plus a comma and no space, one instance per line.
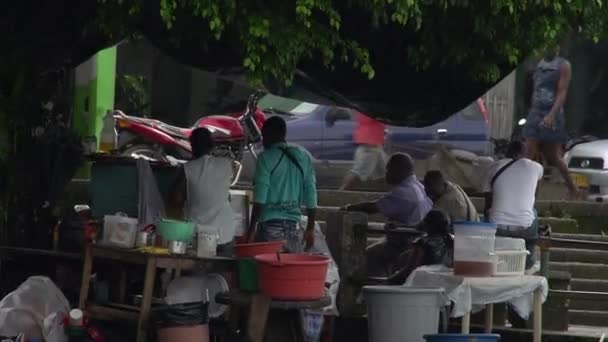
(462,338)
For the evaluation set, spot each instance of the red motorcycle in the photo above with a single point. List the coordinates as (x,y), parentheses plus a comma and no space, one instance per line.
(155,140)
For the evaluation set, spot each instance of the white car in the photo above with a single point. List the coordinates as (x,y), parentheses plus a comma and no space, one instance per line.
(588,167)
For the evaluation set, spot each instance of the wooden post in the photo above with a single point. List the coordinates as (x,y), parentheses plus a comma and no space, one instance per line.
(545,256)
(347,241)
(538,315)
(489,318)
(465,325)
(258,316)
(86,277)
(122,290)
(146,305)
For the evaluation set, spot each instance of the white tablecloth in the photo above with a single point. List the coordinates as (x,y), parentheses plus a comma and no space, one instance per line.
(471,294)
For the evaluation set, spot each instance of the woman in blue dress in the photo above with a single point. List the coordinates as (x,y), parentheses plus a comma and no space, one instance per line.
(545,129)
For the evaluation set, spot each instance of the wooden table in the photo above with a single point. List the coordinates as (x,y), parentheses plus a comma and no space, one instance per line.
(151,263)
(259,307)
(8,251)
(461,291)
(489,318)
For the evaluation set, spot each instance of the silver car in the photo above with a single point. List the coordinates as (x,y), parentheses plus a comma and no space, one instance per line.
(588,167)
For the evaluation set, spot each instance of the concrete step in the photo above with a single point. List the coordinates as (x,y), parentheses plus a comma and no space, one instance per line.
(587,256)
(589,285)
(588,317)
(587,237)
(582,270)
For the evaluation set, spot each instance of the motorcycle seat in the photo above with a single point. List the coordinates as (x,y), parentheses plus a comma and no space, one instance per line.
(175,131)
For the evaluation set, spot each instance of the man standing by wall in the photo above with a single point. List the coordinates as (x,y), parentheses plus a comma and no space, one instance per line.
(284,178)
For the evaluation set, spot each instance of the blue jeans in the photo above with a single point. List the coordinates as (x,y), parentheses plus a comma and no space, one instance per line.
(286,230)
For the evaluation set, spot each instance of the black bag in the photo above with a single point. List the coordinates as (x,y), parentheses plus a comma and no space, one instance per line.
(182,315)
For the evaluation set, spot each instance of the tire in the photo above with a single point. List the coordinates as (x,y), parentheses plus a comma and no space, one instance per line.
(144,150)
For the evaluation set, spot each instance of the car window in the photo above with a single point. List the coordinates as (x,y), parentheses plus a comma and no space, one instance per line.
(304,108)
(339,114)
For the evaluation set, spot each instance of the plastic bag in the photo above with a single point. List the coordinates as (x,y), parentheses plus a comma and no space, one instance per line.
(36,308)
(332,279)
(182,315)
(119,231)
(198,288)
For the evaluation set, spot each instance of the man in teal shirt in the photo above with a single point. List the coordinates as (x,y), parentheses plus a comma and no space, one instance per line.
(284,180)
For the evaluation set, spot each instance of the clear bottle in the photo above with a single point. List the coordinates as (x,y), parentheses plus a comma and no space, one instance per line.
(108,136)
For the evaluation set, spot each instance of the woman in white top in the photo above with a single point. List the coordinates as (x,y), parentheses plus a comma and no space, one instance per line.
(203,191)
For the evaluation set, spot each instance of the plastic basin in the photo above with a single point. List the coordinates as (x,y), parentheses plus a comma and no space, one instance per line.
(462,338)
(293,277)
(250,250)
(173,230)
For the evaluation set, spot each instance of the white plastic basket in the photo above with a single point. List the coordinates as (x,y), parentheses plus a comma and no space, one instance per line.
(510,263)
(509,244)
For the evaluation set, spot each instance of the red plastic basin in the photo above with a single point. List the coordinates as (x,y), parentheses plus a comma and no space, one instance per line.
(249,250)
(294,277)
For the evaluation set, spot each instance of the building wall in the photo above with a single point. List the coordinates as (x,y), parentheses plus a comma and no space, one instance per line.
(179,94)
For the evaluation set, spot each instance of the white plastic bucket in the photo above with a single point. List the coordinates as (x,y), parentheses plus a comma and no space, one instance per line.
(402,314)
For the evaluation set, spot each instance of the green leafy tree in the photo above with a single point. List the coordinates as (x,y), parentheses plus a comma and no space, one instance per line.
(427,57)
(420,59)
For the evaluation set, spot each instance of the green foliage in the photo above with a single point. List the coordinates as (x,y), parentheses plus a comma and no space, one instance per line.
(274,36)
(132,94)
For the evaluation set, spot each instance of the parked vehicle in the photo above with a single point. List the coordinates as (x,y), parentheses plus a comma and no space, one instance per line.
(588,167)
(153,139)
(327,133)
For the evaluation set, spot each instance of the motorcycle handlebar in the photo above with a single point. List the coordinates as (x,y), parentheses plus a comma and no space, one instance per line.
(252,103)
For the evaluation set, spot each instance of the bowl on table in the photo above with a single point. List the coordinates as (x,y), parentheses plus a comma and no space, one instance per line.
(173,230)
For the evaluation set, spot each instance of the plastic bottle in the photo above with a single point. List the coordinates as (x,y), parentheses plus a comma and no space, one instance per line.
(107,141)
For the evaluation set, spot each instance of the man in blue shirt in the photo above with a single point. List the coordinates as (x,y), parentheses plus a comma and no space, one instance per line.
(284,180)
(405,204)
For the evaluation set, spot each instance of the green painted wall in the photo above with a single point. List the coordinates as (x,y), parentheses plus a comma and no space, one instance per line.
(94,92)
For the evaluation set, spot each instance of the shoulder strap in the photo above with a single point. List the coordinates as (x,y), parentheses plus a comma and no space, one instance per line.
(277,164)
(291,158)
(466,199)
(500,171)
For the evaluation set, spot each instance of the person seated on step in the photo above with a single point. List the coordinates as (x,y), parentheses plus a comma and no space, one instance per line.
(510,189)
(449,197)
(405,204)
(436,246)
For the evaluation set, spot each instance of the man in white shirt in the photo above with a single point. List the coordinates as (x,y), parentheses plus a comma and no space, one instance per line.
(510,186)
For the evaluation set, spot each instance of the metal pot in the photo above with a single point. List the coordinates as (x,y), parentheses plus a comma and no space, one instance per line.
(177,247)
(144,238)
